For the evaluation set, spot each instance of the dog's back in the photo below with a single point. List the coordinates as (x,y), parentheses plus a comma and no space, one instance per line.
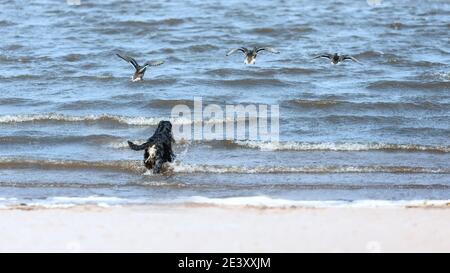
(158,148)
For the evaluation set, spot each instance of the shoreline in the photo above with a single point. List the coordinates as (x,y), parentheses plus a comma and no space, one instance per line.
(212,228)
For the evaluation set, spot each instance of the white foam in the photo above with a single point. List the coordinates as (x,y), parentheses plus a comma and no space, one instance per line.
(442,76)
(179,167)
(265,201)
(332,146)
(61,117)
(124,144)
(71,201)
(67,202)
(5,202)
(251,201)
(307,146)
(141,121)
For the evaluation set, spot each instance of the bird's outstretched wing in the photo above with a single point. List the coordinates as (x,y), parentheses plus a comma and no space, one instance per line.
(129,60)
(270,49)
(328,56)
(242,49)
(154,63)
(348,57)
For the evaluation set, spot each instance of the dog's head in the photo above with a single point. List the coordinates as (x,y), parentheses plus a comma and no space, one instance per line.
(165,128)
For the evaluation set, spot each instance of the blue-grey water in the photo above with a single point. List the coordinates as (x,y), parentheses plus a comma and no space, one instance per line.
(377,131)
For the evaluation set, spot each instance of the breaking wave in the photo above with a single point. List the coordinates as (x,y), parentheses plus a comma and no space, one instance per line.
(306,146)
(133,166)
(333,146)
(187,168)
(269,202)
(259,201)
(23,163)
(137,121)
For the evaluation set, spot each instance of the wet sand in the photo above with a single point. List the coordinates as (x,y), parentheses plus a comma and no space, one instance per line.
(224,229)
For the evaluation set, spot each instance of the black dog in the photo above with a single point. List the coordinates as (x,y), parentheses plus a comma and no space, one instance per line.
(158,148)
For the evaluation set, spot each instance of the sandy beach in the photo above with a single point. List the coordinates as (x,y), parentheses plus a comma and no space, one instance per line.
(185,228)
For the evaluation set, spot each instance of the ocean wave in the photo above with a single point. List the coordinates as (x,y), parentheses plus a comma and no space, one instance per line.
(138,27)
(289,32)
(409,85)
(133,166)
(222,72)
(13,47)
(396,60)
(364,106)
(136,121)
(399,25)
(426,64)
(368,119)
(73,57)
(258,202)
(40,184)
(414,131)
(324,103)
(21,102)
(92,139)
(170,103)
(269,202)
(5,23)
(57,164)
(230,187)
(369,54)
(295,71)
(162,184)
(436,76)
(89,104)
(344,146)
(200,48)
(261,73)
(123,101)
(103,78)
(5,59)
(188,168)
(152,23)
(54,117)
(23,77)
(251,82)
(305,146)
(68,201)
(123,144)
(263,30)
(341,186)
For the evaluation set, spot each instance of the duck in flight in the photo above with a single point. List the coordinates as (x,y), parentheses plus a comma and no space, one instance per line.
(139,70)
(250,55)
(335,58)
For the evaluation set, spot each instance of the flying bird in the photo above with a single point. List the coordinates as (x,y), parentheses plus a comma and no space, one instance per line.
(335,58)
(139,70)
(250,55)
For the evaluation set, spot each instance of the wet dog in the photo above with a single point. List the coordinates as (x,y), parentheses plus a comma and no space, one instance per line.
(158,148)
